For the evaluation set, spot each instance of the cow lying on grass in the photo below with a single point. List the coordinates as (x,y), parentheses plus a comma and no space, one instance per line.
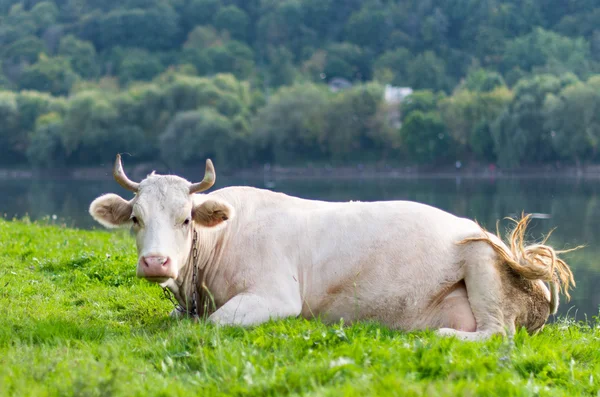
(242,256)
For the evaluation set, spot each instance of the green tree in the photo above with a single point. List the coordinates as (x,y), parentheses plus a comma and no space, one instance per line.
(369,28)
(12,144)
(44,15)
(391,67)
(232,20)
(53,75)
(282,25)
(469,115)
(199,12)
(434,29)
(223,92)
(46,149)
(193,136)
(203,37)
(488,44)
(144,106)
(33,104)
(138,64)
(546,51)
(200,59)
(427,71)
(133,28)
(88,118)
(423,101)
(81,55)
(573,119)
(290,127)
(520,136)
(25,50)
(348,61)
(482,80)
(19,18)
(232,57)
(424,138)
(281,70)
(92,120)
(355,128)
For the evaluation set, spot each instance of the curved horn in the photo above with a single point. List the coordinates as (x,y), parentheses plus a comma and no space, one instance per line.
(207,182)
(121,178)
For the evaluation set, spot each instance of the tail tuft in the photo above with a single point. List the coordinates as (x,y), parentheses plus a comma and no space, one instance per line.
(534,262)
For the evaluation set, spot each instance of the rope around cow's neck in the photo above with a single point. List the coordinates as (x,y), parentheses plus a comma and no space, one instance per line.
(193,312)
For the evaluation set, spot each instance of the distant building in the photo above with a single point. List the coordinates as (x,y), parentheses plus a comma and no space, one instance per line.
(395,95)
(338,84)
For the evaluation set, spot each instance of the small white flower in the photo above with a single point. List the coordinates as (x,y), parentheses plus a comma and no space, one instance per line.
(340,362)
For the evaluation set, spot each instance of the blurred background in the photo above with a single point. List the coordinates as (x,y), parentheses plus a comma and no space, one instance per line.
(485,108)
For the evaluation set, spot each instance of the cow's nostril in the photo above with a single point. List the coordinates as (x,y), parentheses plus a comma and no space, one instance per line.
(155,261)
(156,267)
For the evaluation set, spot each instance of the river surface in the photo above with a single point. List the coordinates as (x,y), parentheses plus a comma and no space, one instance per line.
(571,205)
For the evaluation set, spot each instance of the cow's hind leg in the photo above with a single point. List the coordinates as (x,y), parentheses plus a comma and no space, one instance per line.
(485,294)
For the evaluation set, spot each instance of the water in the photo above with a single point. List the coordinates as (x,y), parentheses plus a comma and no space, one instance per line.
(570,205)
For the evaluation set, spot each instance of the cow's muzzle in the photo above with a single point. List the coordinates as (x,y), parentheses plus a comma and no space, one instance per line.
(156,268)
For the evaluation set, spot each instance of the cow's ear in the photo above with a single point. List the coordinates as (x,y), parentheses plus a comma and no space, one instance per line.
(212,212)
(111,211)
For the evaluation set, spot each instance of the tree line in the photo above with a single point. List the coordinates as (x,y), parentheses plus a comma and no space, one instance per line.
(182,119)
(496,81)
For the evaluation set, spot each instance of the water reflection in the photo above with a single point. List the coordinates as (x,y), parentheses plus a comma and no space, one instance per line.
(570,204)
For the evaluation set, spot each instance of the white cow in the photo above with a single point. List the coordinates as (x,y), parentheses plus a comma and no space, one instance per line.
(243,256)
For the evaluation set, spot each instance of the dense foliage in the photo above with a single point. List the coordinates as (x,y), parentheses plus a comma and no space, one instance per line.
(76,321)
(512,82)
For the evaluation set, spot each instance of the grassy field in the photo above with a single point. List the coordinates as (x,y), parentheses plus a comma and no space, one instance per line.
(74,320)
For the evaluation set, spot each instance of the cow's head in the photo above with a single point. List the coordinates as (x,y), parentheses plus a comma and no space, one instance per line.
(162,215)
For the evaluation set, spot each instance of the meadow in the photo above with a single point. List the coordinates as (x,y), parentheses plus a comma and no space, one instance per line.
(74,320)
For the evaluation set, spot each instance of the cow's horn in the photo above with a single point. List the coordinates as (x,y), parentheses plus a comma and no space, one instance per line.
(207,182)
(121,178)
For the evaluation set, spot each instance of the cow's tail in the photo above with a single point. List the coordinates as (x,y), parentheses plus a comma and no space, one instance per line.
(535,261)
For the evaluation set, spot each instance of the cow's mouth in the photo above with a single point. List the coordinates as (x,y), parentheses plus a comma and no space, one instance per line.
(159,280)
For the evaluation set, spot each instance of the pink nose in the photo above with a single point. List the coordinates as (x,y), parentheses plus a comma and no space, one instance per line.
(155,266)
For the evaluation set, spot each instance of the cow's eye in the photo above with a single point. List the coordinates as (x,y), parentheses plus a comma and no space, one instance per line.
(186,222)
(135,220)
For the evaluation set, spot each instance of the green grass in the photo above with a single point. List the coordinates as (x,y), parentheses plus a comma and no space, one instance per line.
(74,320)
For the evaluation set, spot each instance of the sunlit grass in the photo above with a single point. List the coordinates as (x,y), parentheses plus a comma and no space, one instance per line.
(74,320)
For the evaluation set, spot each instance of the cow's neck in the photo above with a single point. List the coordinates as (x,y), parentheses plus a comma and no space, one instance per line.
(208,247)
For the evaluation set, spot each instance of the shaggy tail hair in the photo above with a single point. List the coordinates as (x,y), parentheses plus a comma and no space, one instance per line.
(535,261)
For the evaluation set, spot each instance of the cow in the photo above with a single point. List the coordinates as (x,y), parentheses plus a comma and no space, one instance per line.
(244,256)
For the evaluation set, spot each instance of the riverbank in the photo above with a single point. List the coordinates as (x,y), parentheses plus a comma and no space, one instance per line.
(75,320)
(313,171)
